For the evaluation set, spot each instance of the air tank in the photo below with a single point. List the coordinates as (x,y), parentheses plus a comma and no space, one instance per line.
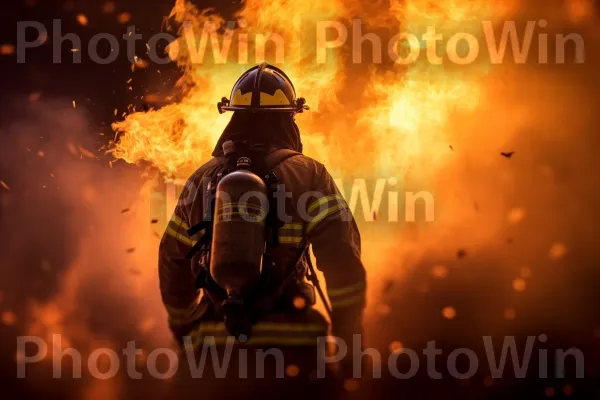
(238,242)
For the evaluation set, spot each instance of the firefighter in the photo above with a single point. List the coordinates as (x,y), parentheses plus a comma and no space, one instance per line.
(264,104)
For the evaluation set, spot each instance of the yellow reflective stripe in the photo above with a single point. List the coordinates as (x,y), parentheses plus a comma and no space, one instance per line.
(346,289)
(324,200)
(178,221)
(183,239)
(348,302)
(292,227)
(324,214)
(290,239)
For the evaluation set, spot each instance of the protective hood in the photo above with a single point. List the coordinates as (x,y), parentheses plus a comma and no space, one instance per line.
(269,130)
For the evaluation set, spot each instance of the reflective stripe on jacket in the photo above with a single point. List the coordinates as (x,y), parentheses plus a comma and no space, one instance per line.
(316,214)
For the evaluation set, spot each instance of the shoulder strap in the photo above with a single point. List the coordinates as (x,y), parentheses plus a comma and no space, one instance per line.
(278,156)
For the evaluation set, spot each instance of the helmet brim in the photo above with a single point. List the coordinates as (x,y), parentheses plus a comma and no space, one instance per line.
(260,109)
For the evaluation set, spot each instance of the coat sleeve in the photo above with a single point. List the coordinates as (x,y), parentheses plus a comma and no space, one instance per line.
(176,279)
(335,240)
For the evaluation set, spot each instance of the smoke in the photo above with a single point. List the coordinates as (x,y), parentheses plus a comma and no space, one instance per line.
(79,249)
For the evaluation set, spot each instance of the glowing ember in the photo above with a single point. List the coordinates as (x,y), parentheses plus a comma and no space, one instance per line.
(519,285)
(9,318)
(82,19)
(7,49)
(124,17)
(580,10)
(557,251)
(396,347)
(299,302)
(449,312)
(292,370)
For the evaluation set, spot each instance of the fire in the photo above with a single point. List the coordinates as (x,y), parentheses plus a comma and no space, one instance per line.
(389,120)
(407,112)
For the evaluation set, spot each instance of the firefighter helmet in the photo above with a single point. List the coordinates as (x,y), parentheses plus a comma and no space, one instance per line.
(263,88)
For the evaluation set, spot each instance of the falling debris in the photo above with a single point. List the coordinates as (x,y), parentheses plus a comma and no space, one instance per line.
(449,312)
(7,49)
(389,284)
(134,271)
(82,19)
(86,153)
(125,210)
(74,105)
(507,155)
(154,221)
(124,17)
(374,216)
(519,285)
(4,185)
(139,63)
(451,148)
(130,250)
(461,253)
(557,251)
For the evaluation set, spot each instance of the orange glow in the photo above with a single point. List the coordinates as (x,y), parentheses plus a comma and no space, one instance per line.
(519,285)
(449,312)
